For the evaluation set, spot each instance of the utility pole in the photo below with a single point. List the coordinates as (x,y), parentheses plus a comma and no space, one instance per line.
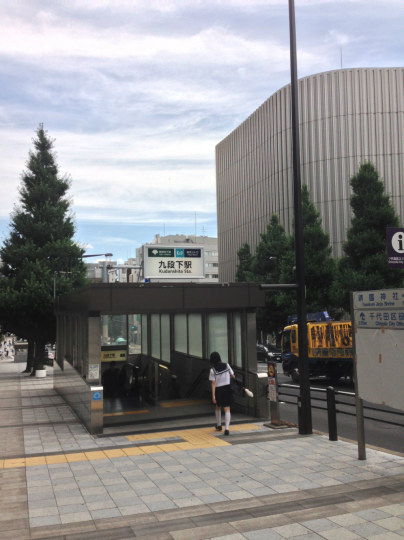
(305,421)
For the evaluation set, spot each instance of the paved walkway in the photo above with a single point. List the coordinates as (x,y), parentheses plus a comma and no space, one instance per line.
(57,481)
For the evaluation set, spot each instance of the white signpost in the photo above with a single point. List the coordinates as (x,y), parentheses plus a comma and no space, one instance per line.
(170,262)
(378,317)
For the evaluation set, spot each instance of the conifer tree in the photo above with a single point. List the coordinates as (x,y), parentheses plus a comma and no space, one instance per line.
(364,266)
(272,253)
(40,251)
(319,264)
(244,266)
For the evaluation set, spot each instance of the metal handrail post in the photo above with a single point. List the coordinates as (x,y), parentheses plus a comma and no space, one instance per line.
(332,414)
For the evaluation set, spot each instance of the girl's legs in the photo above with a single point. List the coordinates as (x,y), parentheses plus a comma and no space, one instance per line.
(218,413)
(227,417)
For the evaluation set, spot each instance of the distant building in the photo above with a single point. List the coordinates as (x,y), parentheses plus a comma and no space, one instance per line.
(346,117)
(96,269)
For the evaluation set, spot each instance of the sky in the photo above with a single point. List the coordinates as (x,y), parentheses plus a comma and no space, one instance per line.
(136,95)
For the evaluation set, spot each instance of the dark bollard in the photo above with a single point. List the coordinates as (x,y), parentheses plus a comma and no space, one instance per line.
(332,414)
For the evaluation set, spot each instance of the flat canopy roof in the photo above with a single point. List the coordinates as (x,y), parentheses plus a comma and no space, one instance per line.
(127,298)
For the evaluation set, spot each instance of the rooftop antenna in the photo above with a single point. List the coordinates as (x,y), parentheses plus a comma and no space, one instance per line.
(195,224)
(341,56)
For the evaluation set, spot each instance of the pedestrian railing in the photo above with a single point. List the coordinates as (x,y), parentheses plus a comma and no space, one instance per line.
(333,404)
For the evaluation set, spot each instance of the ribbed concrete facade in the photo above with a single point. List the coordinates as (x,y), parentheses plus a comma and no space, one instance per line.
(346,117)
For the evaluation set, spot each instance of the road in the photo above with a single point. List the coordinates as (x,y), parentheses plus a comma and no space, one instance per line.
(379,434)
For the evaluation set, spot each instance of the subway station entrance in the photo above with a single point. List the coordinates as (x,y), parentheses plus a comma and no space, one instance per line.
(137,353)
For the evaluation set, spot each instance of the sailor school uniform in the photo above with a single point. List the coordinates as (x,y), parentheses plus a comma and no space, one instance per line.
(221,374)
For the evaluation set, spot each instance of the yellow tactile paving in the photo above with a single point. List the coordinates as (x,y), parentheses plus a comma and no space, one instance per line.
(191,439)
(91,456)
(115,452)
(14,463)
(80,456)
(30,461)
(151,449)
(52,460)
(133,451)
(167,447)
(184,446)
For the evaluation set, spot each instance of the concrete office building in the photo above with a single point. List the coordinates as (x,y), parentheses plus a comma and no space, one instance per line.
(347,117)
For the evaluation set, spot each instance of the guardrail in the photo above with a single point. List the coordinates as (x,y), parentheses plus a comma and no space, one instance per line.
(331,403)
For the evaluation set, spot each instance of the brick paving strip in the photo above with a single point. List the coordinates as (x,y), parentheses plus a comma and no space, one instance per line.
(232,517)
(56,481)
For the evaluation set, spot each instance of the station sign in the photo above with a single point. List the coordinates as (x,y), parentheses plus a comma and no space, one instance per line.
(395,247)
(378,317)
(168,262)
(377,309)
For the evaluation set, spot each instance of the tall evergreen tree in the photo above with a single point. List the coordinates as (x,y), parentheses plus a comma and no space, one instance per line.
(272,252)
(319,264)
(40,252)
(244,266)
(274,262)
(364,266)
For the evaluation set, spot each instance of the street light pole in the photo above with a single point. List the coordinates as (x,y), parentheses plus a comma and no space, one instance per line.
(305,420)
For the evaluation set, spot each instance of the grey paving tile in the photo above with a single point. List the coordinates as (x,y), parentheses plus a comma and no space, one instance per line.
(44,520)
(44,511)
(133,509)
(214,498)
(75,517)
(72,508)
(105,513)
(372,514)
(319,525)
(366,529)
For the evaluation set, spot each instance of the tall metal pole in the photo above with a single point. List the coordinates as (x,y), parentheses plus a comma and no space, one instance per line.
(305,422)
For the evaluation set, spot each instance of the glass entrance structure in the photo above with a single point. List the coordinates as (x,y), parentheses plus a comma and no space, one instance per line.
(139,352)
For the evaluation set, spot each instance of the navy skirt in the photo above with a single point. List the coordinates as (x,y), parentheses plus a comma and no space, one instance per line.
(223,396)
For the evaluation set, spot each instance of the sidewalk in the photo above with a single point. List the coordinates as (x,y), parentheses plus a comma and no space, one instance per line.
(57,481)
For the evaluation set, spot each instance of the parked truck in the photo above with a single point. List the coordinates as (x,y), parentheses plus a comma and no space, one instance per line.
(329,350)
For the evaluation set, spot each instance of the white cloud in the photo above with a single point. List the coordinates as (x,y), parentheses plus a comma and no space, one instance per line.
(138,93)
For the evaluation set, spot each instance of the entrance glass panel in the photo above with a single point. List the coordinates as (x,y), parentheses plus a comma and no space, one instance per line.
(238,359)
(180,333)
(165,338)
(217,328)
(155,336)
(195,334)
(134,333)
